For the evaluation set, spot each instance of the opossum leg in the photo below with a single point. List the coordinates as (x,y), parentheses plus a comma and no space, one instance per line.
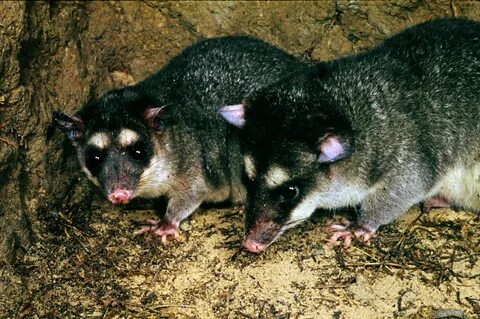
(178,209)
(435,202)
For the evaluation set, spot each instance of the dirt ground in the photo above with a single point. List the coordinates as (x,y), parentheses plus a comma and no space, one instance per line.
(425,266)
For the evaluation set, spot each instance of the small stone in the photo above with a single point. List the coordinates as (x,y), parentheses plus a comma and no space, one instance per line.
(185,226)
(318,250)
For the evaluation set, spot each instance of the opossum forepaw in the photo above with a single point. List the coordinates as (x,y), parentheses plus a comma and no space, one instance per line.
(165,231)
(345,235)
(364,234)
(160,229)
(346,232)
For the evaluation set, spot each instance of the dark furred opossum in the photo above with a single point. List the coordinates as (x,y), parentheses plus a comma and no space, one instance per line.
(164,137)
(385,129)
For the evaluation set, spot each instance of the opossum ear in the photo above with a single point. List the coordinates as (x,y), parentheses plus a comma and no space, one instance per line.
(71,126)
(156,117)
(233,114)
(333,147)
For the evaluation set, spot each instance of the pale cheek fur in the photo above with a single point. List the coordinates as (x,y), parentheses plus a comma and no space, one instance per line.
(100,140)
(249,167)
(154,180)
(339,194)
(127,137)
(276,176)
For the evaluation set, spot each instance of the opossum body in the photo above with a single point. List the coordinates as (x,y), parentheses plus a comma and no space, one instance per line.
(384,130)
(163,136)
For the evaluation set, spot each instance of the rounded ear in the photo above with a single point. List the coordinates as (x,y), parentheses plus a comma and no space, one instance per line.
(71,126)
(156,117)
(333,147)
(233,114)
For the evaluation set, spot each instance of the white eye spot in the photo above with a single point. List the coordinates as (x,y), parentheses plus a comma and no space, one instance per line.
(249,166)
(100,140)
(127,137)
(276,176)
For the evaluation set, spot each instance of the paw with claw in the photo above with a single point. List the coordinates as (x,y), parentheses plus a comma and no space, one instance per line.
(160,229)
(346,232)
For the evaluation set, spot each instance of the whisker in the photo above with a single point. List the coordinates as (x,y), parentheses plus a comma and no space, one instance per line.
(296,221)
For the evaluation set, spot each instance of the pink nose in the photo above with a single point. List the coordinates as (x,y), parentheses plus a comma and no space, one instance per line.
(253,246)
(119,196)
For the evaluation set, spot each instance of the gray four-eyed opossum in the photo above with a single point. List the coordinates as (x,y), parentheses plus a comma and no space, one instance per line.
(385,130)
(164,137)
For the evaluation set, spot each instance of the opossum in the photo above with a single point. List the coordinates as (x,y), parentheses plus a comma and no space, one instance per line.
(164,137)
(382,130)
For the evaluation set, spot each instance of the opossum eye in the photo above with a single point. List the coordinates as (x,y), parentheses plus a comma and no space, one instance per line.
(287,193)
(137,152)
(93,158)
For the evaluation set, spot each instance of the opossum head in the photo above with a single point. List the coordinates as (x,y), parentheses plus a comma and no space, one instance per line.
(122,143)
(293,155)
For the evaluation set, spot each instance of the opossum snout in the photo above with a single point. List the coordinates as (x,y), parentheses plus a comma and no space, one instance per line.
(119,196)
(253,246)
(261,235)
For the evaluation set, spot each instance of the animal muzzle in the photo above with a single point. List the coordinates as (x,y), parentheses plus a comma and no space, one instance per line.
(119,196)
(262,234)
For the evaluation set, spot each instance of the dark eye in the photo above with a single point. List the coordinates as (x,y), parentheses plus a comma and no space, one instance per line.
(137,152)
(288,193)
(93,159)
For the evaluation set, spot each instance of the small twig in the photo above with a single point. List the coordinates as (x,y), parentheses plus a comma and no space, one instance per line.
(175,306)
(454,8)
(459,300)
(146,308)
(400,299)
(106,311)
(333,286)
(474,303)
(375,265)
(245,315)
(410,226)
(7,142)
(236,254)
(429,229)
(235,213)
(365,253)
(339,257)
(155,310)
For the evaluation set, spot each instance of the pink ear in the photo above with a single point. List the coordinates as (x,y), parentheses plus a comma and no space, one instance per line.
(233,114)
(154,117)
(71,126)
(333,148)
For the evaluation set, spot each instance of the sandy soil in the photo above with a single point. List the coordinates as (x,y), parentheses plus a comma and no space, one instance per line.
(425,266)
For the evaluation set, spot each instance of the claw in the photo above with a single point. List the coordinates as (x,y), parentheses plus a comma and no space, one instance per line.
(159,229)
(345,235)
(366,235)
(346,232)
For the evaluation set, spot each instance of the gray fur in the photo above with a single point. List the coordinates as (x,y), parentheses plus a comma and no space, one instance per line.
(408,111)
